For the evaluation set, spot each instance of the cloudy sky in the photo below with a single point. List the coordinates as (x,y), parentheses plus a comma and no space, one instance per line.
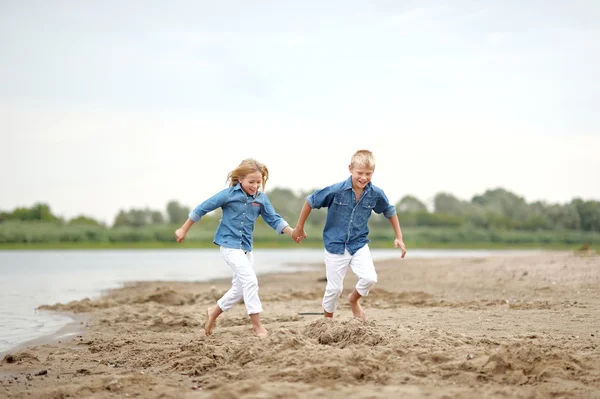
(110,104)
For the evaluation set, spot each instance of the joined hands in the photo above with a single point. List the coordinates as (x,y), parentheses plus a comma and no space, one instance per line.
(298,234)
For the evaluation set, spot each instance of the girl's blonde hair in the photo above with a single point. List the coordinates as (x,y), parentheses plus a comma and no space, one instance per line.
(246,167)
(363,158)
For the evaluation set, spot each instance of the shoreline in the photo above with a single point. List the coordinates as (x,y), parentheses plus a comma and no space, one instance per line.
(72,325)
(72,328)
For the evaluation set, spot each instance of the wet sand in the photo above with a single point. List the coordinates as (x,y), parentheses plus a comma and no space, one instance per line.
(505,327)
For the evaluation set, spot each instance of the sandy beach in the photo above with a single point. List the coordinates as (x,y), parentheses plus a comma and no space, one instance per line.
(506,327)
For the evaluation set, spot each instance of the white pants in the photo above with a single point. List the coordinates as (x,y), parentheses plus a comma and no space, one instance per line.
(244,283)
(336,267)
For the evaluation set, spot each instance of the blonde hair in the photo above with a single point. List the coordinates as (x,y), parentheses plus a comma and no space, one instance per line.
(363,158)
(246,167)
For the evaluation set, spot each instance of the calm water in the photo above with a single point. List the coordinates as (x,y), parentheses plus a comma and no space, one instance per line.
(29,279)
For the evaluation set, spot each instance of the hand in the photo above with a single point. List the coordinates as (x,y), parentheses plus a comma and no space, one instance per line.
(180,234)
(298,234)
(399,243)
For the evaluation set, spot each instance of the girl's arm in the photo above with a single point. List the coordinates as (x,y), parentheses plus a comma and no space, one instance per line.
(270,216)
(181,232)
(214,202)
(288,231)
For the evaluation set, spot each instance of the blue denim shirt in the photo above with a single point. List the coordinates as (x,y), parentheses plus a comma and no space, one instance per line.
(346,226)
(240,212)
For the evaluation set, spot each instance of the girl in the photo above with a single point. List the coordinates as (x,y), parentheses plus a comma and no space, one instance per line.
(241,203)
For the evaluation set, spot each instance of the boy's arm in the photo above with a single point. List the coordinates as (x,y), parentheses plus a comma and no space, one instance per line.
(398,242)
(299,234)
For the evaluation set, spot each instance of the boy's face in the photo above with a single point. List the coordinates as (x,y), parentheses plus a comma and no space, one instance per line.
(251,183)
(361,176)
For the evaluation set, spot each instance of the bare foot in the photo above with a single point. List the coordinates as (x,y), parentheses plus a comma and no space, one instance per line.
(357,310)
(211,318)
(260,331)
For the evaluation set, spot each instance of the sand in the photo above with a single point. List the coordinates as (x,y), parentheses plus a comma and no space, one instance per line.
(497,327)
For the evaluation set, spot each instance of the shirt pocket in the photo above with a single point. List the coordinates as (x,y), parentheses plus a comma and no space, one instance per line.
(368,205)
(340,204)
(363,212)
(252,211)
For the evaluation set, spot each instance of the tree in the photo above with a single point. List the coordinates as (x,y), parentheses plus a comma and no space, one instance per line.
(84,220)
(38,211)
(589,214)
(410,204)
(286,203)
(448,203)
(156,217)
(504,203)
(558,216)
(137,217)
(176,213)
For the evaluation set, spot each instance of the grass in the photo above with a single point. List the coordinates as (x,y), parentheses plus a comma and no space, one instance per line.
(278,244)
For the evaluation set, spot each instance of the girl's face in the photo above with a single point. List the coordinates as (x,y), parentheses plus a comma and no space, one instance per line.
(251,183)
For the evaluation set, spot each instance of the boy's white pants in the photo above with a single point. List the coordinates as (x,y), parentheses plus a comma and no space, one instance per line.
(336,267)
(244,283)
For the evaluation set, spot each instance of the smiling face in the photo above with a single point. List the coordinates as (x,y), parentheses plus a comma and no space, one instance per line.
(251,183)
(361,176)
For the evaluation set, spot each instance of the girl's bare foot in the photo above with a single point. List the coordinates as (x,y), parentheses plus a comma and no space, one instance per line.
(260,331)
(211,318)
(257,326)
(357,310)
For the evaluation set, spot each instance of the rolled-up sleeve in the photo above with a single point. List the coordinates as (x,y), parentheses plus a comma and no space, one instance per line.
(214,202)
(320,198)
(383,206)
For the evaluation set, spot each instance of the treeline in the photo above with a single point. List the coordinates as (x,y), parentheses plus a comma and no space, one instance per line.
(40,212)
(498,208)
(496,216)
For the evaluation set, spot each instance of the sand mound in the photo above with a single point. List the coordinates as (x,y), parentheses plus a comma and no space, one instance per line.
(344,333)
(21,357)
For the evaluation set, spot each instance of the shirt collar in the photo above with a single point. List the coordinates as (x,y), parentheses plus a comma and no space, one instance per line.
(348,185)
(239,187)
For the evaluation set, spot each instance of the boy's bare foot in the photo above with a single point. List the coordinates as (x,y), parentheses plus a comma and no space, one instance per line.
(357,310)
(260,331)
(211,318)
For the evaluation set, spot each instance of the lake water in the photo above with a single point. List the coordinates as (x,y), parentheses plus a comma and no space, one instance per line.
(29,279)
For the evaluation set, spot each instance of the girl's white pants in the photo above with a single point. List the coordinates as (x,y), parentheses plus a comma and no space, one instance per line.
(244,283)
(336,267)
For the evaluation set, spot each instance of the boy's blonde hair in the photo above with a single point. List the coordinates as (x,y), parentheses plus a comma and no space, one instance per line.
(246,167)
(363,158)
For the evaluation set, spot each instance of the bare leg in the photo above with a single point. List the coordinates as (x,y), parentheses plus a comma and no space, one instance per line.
(327,314)
(211,318)
(257,326)
(357,310)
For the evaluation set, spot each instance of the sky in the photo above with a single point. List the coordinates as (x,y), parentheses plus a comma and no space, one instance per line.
(109,105)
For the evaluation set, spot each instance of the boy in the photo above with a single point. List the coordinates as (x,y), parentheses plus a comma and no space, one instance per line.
(350,204)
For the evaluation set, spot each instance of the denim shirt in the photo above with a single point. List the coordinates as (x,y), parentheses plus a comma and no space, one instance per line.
(240,212)
(346,226)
